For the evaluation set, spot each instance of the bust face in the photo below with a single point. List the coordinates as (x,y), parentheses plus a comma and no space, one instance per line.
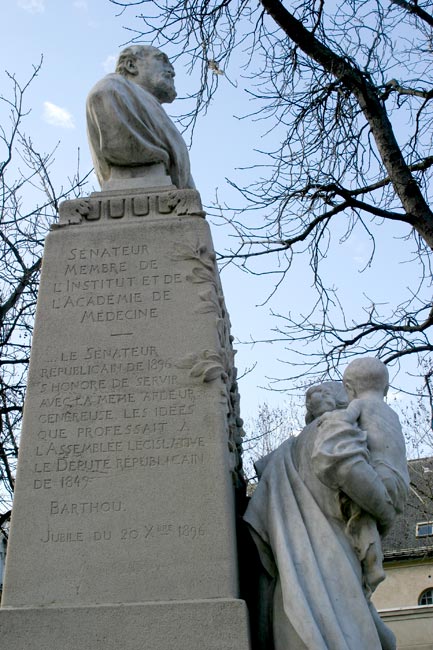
(155,73)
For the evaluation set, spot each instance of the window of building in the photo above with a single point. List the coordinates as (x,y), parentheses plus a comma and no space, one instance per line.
(424,529)
(426,598)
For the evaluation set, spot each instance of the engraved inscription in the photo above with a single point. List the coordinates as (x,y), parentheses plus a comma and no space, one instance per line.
(84,507)
(112,284)
(180,531)
(107,412)
(112,409)
(63,537)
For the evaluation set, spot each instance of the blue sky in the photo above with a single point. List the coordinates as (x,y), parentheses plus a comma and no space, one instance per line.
(79,40)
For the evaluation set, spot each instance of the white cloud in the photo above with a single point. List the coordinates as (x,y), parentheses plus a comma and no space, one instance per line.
(81,4)
(58,116)
(33,6)
(110,63)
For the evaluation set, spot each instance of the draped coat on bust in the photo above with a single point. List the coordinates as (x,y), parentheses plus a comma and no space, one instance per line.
(128,127)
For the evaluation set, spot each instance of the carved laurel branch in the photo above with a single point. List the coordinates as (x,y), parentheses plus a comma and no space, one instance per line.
(205,272)
(207,365)
(198,253)
(185,203)
(211,365)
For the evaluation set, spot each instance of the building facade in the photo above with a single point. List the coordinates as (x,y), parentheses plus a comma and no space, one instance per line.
(405,598)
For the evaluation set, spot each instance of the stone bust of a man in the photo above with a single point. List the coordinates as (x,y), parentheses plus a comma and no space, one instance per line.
(132,140)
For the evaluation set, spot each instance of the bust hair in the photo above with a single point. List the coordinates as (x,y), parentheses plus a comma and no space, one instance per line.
(368,373)
(132,53)
(338,392)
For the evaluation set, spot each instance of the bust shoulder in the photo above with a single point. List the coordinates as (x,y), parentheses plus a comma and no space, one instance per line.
(113,82)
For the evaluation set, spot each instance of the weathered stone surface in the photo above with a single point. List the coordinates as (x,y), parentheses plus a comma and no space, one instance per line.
(366,381)
(321,499)
(130,134)
(123,527)
(133,178)
(212,625)
(145,204)
(131,429)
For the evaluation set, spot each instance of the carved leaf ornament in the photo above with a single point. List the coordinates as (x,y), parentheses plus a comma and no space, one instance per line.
(209,303)
(207,365)
(200,253)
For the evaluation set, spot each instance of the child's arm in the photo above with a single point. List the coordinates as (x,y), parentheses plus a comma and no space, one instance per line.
(350,414)
(353,411)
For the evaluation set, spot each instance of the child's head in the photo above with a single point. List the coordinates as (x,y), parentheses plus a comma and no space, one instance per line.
(366,374)
(328,396)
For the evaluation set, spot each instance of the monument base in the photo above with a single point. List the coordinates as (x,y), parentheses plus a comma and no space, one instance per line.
(181,625)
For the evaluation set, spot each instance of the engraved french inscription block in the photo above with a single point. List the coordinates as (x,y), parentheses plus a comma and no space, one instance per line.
(130,443)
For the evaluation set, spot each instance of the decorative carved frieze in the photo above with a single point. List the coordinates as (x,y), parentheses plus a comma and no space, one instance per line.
(107,206)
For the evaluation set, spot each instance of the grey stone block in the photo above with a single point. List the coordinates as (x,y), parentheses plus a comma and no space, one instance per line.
(197,625)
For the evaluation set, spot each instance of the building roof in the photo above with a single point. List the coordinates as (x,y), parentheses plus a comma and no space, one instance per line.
(402,541)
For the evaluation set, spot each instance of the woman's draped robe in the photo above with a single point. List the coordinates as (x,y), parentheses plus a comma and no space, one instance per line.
(295,517)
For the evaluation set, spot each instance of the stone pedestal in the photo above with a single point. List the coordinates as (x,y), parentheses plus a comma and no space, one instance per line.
(213,625)
(123,529)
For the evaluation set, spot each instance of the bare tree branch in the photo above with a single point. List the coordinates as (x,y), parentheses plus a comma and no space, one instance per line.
(28,206)
(414,8)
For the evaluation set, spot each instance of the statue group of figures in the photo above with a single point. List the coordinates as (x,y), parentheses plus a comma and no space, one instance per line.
(326,496)
(323,501)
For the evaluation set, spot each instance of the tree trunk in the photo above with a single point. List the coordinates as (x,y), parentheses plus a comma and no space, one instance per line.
(417,211)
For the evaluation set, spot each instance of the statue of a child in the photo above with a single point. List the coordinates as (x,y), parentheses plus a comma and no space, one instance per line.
(366,381)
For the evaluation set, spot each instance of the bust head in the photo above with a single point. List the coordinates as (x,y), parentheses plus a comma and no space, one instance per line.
(327,396)
(150,68)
